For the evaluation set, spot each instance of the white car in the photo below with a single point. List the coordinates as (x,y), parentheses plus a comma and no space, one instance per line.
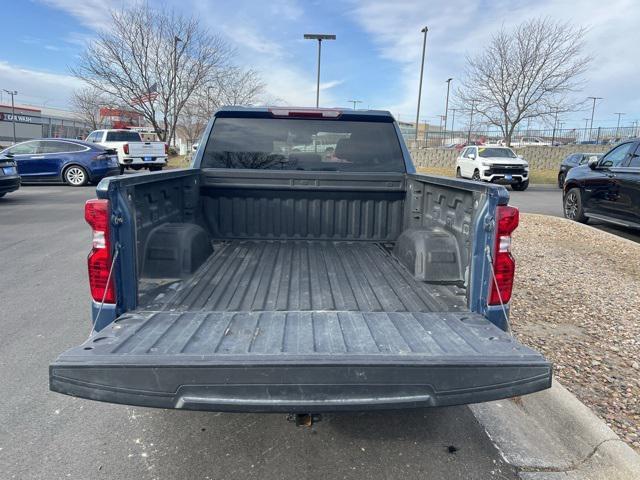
(133,151)
(493,164)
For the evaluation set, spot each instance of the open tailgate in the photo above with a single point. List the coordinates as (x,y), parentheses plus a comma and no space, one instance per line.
(299,361)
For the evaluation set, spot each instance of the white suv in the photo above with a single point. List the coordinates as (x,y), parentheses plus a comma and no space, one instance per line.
(493,164)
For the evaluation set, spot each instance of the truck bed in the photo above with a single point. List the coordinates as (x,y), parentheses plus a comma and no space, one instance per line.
(299,326)
(245,275)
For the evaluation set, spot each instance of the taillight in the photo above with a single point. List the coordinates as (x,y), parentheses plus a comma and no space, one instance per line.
(166,149)
(125,147)
(504,266)
(96,213)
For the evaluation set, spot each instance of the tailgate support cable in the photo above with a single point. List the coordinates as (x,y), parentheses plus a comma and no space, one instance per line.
(104,295)
(495,283)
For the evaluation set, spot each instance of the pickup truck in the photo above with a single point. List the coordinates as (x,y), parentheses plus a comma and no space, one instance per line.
(133,151)
(301,266)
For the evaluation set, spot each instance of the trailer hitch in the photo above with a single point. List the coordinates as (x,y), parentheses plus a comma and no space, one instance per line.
(304,419)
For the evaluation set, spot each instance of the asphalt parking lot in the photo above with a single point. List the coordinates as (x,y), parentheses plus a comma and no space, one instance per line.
(547,200)
(44,309)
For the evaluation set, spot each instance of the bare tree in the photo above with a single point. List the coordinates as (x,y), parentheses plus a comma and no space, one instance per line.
(86,103)
(153,61)
(234,87)
(526,73)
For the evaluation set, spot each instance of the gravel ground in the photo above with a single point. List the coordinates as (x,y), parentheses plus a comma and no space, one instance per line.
(577,300)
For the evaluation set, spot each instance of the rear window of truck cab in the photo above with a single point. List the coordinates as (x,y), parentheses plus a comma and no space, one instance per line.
(303,144)
(123,136)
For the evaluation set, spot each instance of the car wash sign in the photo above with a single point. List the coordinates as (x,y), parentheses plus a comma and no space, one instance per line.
(10,117)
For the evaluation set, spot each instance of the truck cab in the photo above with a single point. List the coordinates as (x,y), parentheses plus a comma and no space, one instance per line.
(301,266)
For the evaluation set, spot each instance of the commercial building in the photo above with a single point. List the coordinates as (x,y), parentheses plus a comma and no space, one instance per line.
(35,122)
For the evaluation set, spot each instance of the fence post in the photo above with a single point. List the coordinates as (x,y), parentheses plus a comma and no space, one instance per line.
(598,137)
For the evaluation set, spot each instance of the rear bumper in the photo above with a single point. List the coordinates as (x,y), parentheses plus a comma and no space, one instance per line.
(299,388)
(141,161)
(98,174)
(9,184)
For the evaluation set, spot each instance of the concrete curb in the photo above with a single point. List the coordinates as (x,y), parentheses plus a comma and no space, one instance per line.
(551,435)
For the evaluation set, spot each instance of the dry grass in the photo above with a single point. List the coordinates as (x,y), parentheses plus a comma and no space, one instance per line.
(536,176)
(178,161)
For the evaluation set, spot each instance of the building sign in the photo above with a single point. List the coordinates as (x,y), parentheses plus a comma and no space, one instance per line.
(9,117)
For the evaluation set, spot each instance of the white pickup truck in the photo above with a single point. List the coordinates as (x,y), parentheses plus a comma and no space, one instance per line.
(133,151)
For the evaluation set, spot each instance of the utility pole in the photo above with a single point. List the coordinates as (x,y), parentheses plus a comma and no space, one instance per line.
(319,37)
(555,124)
(593,109)
(175,88)
(453,118)
(13,93)
(618,126)
(355,102)
(443,118)
(446,105)
(424,48)
(473,104)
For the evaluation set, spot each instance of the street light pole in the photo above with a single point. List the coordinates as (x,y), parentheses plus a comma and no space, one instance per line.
(319,38)
(354,102)
(13,93)
(446,105)
(618,126)
(593,109)
(424,48)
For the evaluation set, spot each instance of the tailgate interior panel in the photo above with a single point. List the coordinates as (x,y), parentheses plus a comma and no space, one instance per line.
(295,361)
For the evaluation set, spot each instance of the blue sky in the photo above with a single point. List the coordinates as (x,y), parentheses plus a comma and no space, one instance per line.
(374,59)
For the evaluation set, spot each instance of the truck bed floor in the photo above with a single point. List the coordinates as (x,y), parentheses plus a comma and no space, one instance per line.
(249,275)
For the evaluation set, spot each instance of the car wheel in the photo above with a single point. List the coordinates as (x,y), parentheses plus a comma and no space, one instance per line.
(561,178)
(155,168)
(476,175)
(76,176)
(573,206)
(121,169)
(520,187)
(458,174)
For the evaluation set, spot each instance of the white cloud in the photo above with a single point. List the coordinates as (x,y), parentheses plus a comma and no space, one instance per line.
(51,89)
(91,13)
(460,27)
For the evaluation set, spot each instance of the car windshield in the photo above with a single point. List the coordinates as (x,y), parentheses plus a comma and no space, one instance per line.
(123,137)
(303,144)
(496,152)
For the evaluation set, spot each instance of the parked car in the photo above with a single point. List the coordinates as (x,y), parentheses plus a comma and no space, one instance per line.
(528,142)
(493,164)
(268,280)
(607,188)
(9,178)
(573,160)
(133,151)
(73,162)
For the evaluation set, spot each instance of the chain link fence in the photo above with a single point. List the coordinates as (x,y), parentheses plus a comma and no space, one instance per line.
(522,138)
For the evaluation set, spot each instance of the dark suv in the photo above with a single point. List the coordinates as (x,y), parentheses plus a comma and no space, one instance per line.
(606,189)
(573,160)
